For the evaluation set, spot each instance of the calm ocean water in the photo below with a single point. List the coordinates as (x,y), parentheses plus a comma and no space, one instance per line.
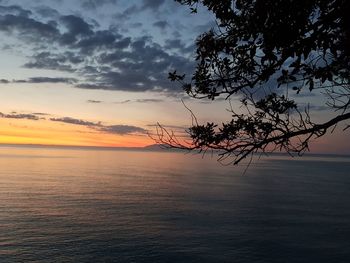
(75,205)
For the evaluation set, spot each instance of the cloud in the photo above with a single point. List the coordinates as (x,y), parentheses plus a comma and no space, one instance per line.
(47,12)
(28,28)
(162,24)
(303,94)
(153,4)
(41,80)
(144,67)
(179,130)
(313,107)
(117,129)
(101,59)
(94,101)
(149,100)
(74,121)
(136,25)
(77,27)
(41,113)
(174,44)
(122,102)
(127,13)
(15,10)
(101,39)
(48,60)
(19,116)
(140,101)
(320,108)
(204,28)
(98,126)
(94,4)
(177,44)
(47,80)
(123,129)
(139,7)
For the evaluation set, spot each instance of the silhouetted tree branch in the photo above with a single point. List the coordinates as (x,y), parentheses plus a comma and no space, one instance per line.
(262,51)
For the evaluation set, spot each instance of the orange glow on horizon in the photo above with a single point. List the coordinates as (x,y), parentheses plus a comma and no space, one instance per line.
(49,133)
(44,132)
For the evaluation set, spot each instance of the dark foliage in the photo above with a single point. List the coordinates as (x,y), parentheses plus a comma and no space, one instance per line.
(263,51)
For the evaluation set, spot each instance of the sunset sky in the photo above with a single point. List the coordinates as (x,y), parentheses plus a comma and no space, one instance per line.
(94,73)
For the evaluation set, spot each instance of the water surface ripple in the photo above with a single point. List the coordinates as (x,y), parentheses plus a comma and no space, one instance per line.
(59,205)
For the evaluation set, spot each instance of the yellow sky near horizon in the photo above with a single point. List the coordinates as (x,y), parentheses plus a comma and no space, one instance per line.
(19,131)
(45,132)
(141,110)
(114,108)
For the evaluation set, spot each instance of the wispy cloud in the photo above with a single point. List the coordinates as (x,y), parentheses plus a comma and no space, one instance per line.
(122,129)
(122,102)
(98,126)
(40,80)
(94,101)
(41,113)
(76,121)
(118,129)
(148,100)
(19,116)
(140,101)
(46,80)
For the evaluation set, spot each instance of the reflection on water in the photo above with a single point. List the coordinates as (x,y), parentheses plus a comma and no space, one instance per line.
(59,205)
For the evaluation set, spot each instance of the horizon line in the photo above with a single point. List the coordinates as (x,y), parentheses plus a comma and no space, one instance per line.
(151,147)
(74,146)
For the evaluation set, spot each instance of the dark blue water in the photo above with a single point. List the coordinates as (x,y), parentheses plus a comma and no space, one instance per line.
(61,205)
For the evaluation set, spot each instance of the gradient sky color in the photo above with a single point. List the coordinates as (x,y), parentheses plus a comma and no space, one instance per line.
(94,73)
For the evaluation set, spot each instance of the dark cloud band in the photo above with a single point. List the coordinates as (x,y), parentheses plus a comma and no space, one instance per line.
(101,59)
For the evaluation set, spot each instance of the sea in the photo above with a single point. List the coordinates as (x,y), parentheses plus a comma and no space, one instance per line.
(100,205)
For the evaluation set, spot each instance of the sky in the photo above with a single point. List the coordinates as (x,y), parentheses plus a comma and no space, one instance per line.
(94,72)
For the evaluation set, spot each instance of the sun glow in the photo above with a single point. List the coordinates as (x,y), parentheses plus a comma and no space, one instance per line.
(50,133)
